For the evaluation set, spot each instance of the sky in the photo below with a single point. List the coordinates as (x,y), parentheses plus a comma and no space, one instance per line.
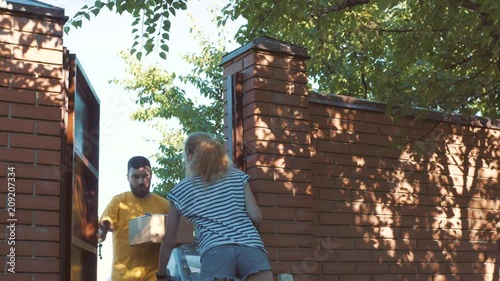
(96,46)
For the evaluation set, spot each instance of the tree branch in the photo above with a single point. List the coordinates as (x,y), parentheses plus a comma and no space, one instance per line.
(344,5)
(469,4)
(375,27)
(455,64)
(473,98)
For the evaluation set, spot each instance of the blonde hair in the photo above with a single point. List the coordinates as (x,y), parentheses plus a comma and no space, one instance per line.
(205,157)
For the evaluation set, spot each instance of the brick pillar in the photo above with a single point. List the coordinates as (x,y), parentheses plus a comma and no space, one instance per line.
(31,111)
(273,119)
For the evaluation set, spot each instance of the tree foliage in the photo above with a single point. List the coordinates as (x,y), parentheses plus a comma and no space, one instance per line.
(172,110)
(150,26)
(433,54)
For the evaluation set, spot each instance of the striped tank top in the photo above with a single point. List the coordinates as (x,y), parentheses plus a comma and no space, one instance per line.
(217,210)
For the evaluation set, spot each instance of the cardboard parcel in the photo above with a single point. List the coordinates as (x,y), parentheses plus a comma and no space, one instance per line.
(152,227)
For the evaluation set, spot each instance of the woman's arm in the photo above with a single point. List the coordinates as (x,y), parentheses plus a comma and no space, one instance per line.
(253,209)
(168,242)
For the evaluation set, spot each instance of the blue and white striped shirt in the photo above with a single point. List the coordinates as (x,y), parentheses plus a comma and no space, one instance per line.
(217,210)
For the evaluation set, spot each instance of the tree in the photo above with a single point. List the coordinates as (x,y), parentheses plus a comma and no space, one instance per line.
(164,103)
(442,55)
(435,54)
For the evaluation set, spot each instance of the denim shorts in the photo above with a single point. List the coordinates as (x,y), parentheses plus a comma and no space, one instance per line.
(232,261)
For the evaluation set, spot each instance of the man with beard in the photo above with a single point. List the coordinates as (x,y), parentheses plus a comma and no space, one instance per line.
(139,262)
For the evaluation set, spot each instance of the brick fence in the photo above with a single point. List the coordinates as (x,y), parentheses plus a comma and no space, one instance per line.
(349,193)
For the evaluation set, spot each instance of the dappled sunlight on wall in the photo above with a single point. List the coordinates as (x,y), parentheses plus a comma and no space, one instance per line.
(57,208)
(33,51)
(31,132)
(349,193)
(419,205)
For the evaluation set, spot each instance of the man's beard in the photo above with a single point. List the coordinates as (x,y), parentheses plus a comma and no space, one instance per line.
(143,192)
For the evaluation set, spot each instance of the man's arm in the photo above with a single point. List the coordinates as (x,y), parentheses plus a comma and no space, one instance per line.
(108,217)
(168,242)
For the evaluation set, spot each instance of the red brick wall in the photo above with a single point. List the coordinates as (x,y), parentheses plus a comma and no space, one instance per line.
(428,218)
(342,201)
(31,103)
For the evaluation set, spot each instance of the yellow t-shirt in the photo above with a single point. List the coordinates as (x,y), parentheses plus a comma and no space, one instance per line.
(138,262)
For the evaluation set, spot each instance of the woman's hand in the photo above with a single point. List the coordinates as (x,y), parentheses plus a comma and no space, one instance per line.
(166,278)
(163,276)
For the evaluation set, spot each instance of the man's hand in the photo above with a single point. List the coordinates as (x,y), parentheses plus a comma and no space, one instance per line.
(104,227)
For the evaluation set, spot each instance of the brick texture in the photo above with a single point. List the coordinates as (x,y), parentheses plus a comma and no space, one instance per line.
(31,60)
(342,202)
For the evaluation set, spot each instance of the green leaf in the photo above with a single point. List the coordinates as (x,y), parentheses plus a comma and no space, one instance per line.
(79,14)
(166,25)
(156,17)
(110,5)
(76,23)
(151,29)
(172,10)
(99,4)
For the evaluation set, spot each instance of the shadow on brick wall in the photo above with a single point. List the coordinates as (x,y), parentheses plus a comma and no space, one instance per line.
(349,193)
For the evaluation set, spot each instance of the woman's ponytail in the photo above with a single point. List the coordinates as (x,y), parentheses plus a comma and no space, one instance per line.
(205,157)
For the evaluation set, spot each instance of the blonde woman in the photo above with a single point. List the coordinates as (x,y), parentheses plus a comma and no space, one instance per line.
(217,199)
